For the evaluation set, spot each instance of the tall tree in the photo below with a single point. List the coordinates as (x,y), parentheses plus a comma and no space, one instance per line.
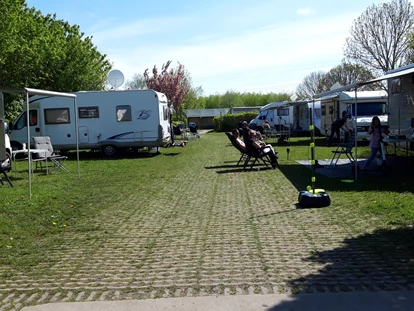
(137,82)
(43,52)
(172,82)
(345,74)
(310,85)
(380,36)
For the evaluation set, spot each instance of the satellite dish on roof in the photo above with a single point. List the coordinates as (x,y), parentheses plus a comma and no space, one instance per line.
(115,78)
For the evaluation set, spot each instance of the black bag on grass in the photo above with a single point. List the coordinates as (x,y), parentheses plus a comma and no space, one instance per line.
(308,199)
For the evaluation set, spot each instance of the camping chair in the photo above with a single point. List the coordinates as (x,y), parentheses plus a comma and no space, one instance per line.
(243,155)
(193,130)
(47,154)
(345,149)
(253,153)
(5,167)
(178,131)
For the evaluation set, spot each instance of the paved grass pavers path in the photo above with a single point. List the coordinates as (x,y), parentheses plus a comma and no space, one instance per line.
(245,236)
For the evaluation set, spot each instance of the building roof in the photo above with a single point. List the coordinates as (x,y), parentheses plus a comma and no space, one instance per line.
(203,113)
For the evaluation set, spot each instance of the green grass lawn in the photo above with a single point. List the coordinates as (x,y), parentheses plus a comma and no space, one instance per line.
(63,205)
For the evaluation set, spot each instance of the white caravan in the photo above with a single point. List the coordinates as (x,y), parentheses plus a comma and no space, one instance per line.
(289,115)
(369,104)
(107,120)
(278,114)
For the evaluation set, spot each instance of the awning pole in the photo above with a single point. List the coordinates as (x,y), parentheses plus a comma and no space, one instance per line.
(29,156)
(356,133)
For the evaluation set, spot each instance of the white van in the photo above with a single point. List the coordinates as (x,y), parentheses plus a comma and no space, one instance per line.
(107,120)
(287,116)
(369,104)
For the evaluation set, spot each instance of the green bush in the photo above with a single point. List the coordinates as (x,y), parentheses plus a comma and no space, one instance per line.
(230,121)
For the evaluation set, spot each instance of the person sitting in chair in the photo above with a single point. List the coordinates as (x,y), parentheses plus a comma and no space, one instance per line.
(256,143)
(266,125)
(264,148)
(257,134)
(261,147)
(241,143)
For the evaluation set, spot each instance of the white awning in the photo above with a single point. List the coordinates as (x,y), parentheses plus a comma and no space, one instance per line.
(392,74)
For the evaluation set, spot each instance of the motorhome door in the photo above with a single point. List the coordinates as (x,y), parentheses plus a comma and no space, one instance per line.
(18,132)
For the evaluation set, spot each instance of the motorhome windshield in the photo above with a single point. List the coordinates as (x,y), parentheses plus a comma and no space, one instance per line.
(370,109)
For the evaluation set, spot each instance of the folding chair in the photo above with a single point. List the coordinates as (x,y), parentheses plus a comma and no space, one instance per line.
(232,139)
(178,131)
(5,167)
(194,130)
(345,149)
(253,153)
(47,154)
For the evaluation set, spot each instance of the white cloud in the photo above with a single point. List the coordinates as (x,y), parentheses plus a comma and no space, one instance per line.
(263,58)
(305,11)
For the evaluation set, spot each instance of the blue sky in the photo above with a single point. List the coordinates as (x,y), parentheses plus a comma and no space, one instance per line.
(245,46)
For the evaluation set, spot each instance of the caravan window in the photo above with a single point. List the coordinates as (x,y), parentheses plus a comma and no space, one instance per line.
(283,112)
(323,109)
(57,116)
(123,113)
(166,110)
(88,112)
(22,121)
(370,109)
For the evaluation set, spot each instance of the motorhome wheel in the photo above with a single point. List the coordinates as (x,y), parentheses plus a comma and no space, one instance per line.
(109,150)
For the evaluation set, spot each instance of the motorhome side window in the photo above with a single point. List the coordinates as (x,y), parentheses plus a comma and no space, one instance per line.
(88,112)
(57,116)
(22,121)
(165,113)
(323,109)
(123,113)
(283,112)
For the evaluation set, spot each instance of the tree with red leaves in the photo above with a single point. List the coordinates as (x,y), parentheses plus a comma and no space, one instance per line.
(172,82)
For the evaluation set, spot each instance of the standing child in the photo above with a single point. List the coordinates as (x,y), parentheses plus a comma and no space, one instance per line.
(376,132)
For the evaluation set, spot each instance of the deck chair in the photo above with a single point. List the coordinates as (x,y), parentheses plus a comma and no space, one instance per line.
(47,155)
(5,167)
(232,139)
(344,149)
(253,154)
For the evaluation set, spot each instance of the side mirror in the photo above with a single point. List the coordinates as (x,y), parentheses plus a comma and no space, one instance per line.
(6,128)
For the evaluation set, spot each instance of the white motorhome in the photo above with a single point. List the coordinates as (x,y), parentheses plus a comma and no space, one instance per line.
(289,115)
(369,104)
(277,114)
(107,120)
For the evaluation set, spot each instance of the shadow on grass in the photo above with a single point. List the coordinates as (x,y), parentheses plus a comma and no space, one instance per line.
(276,213)
(95,155)
(397,180)
(378,261)
(228,168)
(234,166)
